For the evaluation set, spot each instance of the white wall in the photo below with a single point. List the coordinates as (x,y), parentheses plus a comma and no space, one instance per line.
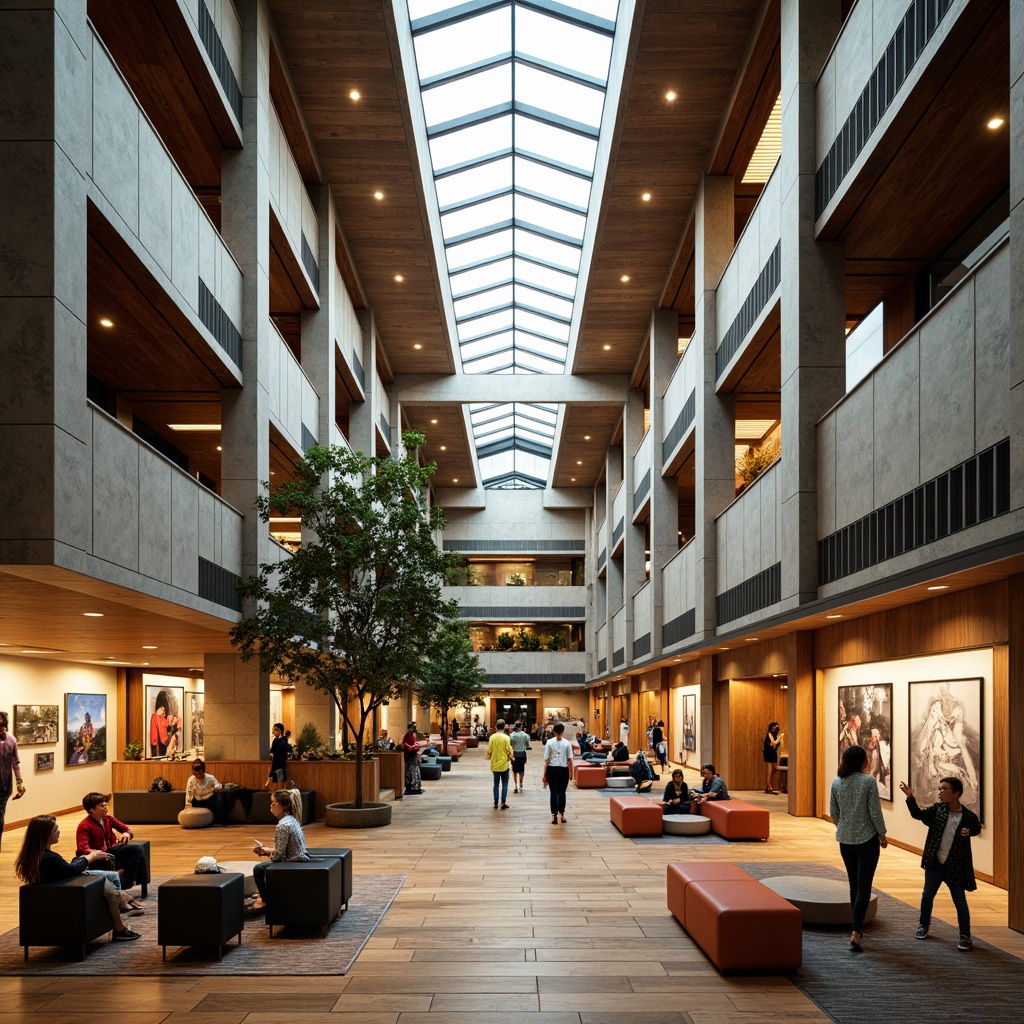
(963,665)
(25,681)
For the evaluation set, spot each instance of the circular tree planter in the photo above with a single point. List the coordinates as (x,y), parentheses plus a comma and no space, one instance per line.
(347,815)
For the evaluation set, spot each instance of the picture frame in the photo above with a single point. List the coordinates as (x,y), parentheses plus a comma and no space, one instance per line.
(689,721)
(195,719)
(44,762)
(559,714)
(865,719)
(36,724)
(85,729)
(947,738)
(163,725)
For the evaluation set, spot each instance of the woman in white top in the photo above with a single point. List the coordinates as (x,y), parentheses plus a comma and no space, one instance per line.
(557,769)
(203,790)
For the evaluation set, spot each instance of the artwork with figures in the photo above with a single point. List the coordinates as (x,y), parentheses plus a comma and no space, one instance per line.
(946,727)
(36,723)
(196,724)
(85,728)
(44,762)
(163,721)
(689,721)
(865,719)
(557,714)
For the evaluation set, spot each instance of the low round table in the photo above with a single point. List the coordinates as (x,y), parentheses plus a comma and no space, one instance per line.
(820,900)
(195,817)
(686,825)
(243,867)
(620,782)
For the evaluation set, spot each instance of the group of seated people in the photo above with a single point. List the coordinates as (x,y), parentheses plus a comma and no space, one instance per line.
(679,799)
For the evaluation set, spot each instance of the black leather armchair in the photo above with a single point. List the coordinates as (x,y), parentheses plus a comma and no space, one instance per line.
(72,912)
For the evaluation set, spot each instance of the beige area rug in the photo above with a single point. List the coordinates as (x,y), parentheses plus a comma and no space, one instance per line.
(258,954)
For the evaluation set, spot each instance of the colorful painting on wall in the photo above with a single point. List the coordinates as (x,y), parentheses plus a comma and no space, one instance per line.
(36,723)
(689,721)
(163,723)
(85,728)
(865,719)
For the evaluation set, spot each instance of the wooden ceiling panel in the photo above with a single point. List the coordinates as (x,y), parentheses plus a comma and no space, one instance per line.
(579,421)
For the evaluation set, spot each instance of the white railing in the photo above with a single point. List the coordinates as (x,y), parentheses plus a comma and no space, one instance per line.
(292,399)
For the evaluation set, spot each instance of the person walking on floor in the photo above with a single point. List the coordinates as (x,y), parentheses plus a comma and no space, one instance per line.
(10,770)
(860,832)
(557,770)
(520,741)
(659,745)
(947,854)
(499,753)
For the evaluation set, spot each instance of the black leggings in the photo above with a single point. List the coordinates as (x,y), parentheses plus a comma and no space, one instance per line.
(860,859)
(558,783)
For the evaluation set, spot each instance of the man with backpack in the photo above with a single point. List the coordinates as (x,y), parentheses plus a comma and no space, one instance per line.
(642,773)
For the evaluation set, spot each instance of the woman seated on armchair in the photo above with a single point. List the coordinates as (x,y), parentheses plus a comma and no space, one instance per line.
(289,842)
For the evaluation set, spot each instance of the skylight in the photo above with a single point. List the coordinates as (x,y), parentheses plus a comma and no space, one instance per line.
(513,98)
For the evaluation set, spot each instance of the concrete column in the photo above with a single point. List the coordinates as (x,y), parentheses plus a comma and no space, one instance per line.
(714,453)
(813,296)
(634,553)
(1016,129)
(362,416)
(45,156)
(664,491)
(237,709)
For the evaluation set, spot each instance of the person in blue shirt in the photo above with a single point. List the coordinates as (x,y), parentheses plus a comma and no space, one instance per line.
(712,788)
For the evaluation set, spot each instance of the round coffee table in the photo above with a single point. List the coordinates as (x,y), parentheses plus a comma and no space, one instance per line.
(820,900)
(686,825)
(621,782)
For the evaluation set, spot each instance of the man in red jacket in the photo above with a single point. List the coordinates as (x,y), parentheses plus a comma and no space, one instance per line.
(101,831)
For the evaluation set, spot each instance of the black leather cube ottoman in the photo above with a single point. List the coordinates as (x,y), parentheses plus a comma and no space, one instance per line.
(303,893)
(344,854)
(71,912)
(140,807)
(200,910)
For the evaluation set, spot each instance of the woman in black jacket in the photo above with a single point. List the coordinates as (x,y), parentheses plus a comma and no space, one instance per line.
(947,853)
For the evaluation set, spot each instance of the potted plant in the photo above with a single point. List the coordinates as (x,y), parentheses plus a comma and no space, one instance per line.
(133,751)
(354,611)
(517,579)
(754,461)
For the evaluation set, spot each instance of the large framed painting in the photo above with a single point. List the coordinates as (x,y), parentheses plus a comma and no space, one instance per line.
(558,714)
(85,728)
(946,731)
(689,721)
(164,722)
(36,723)
(865,719)
(195,719)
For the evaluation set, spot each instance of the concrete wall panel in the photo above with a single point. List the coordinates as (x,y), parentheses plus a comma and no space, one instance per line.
(854,469)
(155,499)
(992,349)
(155,215)
(185,532)
(115,147)
(115,493)
(897,426)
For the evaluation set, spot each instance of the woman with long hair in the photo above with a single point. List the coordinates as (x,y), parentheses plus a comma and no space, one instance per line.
(38,861)
(772,742)
(860,832)
(557,771)
(289,842)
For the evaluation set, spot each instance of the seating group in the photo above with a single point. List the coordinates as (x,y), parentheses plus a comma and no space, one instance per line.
(730,819)
(738,922)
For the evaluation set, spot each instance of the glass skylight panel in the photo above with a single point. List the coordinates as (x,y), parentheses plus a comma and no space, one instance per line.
(481,325)
(552,218)
(561,186)
(542,325)
(479,250)
(542,301)
(554,41)
(546,250)
(503,342)
(469,220)
(547,91)
(480,180)
(544,277)
(456,44)
(498,272)
(545,346)
(493,298)
(488,364)
(451,100)
(555,144)
(472,143)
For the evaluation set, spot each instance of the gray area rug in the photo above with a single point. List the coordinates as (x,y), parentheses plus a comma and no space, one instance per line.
(898,977)
(302,950)
(668,840)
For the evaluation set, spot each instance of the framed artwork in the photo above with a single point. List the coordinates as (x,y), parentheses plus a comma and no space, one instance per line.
(163,725)
(44,762)
(195,719)
(36,723)
(558,714)
(946,728)
(85,728)
(689,721)
(865,719)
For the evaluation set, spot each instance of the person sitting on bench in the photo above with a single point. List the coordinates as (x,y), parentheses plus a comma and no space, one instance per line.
(712,788)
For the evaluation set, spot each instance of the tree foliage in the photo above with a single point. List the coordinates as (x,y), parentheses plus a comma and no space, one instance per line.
(354,611)
(452,674)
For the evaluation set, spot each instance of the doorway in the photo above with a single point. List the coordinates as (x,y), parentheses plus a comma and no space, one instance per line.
(518,709)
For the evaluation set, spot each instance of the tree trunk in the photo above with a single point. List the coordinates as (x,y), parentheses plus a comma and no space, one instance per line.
(359,769)
(444,728)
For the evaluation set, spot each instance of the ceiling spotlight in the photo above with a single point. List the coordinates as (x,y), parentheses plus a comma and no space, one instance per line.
(996,122)
(749,638)
(444,447)
(586,437)
(646,197)
(433,421)
(399,278)
(378,195)
(149,647)
(93,615)
(355,94)
(220,448)
(833,616)
(942,586)
(607,348)
(206,428)
(455,480)
(572,480)
(624,279)
(671,95)
(579,462)
(417,346)
(106,322)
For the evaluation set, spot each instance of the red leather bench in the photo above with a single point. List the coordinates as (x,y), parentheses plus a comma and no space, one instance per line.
(588,776)
(736,819)
(635,815)
(680,875)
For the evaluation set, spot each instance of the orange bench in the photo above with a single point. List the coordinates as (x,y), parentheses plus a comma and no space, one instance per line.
(588,776)
(736,819)
(471,742)
(681,875)
(743,925)
(635,815)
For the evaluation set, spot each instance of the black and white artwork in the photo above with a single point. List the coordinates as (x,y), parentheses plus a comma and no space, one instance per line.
(946,726)
(865,719)
(689,721)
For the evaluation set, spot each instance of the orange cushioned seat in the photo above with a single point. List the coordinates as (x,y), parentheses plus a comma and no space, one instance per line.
(635,815)
(680,875)
(744,925)
(587,777)
(736,819)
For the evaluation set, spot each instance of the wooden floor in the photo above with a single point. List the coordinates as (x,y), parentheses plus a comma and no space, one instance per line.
(504,916)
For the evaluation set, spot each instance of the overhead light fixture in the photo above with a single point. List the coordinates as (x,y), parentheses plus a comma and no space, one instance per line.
(93,615)
(433,421)
(586,437)
(624,279)
(417,346)
(833,616)
(995,122)
(572,480)
(106,322)
(355,94)
(749,638)
(607,348)
(455,480)
(220,448)
(149,647)
(399,278)
(35,652)
(724,648)
(196,428)
(671,95)
(444,447)
(579,462)
(646,197)
(941,586)
(378,195)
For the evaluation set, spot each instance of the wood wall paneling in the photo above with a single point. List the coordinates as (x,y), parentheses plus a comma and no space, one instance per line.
(1015,755)
(753,703)
(801,741)
(1000,765)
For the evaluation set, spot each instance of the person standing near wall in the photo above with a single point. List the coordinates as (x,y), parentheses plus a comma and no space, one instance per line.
(557,770)
(499,753)
(772,741)
(10,770)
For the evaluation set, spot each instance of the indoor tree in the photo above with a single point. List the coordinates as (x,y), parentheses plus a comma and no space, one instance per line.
(354,611)
(451,675)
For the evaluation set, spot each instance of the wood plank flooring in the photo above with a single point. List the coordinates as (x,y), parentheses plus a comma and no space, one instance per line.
(504,919)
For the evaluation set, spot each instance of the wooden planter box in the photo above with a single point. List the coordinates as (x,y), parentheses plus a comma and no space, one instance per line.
(392,771)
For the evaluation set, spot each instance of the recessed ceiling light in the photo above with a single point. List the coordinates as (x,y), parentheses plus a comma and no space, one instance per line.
(34,652)
(572,480)
(607,348)
(723,648)
(355,94)
(941,586)
(579,462)
(833,616)
(455,480)
(378,195)
(646,197)
(220,448)
(417,346)
(93,615)
(996,122)
(195,427)
(444,447)
(433,421)
(106,322)
(671,95)
(399,278)
(624,279)
(586,437)
(749,638)
(149,647)
(145,663)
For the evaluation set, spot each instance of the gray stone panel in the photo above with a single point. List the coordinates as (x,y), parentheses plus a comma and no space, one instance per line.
(947,383)
(886,18)
(854,428)
(185,241)
(116,140)
(26,333)
(26,100)
(26,205)
(751,501)
(827,476)
(185,532)
(769,523)
(992,350)
(70,344)
(28,457)
(853,55)
(72,486)
(208,528)
(897,440)
(155,516)
(69,238)
(155,191)
(825,105)
(72,92)
(115,493)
